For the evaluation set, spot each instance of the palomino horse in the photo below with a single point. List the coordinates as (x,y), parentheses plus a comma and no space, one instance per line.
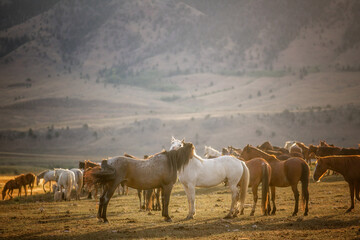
(160,170)
(48,176)
(9,188)
(211,172)
(284,174)
(260,172)
(348,166)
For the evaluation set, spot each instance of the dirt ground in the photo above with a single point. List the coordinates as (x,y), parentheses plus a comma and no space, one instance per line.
(39,217)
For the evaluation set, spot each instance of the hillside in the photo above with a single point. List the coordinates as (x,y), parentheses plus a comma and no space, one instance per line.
(104,77)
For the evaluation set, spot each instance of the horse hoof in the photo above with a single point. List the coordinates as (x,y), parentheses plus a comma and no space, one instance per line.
(168,219)
(229,216)
(294,214)
(251,214)
(189,218)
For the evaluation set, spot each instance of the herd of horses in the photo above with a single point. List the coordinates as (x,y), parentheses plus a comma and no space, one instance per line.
(240,169)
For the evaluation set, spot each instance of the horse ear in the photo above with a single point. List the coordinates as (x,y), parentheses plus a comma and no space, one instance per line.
(172,139)
(183,141)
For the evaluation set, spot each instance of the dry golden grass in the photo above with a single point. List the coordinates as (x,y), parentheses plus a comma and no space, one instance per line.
(38,216)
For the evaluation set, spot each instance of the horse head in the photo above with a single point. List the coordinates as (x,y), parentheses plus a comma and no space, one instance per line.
(320,169)
(176,143)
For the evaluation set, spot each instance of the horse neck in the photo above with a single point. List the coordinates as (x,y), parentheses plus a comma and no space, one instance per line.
(336,164)
(264,155)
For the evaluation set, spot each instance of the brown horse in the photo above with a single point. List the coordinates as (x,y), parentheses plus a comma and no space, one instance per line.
(30,180)
(284,174)
(159,170)
(9,188)
(21,182)
(149,195)
(348,166)
(260,172)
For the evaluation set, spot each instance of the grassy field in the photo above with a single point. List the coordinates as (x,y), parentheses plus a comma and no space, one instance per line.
(38,216)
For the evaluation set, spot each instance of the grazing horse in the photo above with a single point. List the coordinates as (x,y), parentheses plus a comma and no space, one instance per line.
(211,172)
(30,180)
(260,172)
(284,174)
(348,166)
(9,188)
(48,176)
(160,170)
(21,182)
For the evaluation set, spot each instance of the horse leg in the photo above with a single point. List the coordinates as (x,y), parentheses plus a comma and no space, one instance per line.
(157,194)
(190,194)
(167,192)
(273,200)
(296,196)
(25,190)
(357,189)
(234,201)
(105,201)
(352,195)
(255,197)
(139,196)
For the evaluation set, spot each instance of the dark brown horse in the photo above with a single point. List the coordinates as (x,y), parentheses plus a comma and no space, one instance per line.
(348,166)
(9,188)
(21,182)
(284,174)
(30,180)
(159,170)
(260,172)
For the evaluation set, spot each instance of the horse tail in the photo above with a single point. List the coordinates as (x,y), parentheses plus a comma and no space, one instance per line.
(265,188)
(244,184)
(305,184)
(104,174)
(69,186)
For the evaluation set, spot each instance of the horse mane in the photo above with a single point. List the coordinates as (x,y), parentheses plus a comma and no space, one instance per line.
(179,158)
(89,163)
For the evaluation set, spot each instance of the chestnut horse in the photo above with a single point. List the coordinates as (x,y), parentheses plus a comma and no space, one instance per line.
(346,165)
(21,182)
(260,172)
(160,170)
(30,180)
(284,174)
(9,188)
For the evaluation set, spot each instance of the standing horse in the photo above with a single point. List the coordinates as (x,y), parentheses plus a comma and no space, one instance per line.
(160,170)
(211,152)
(211,172)
(284,174)
(48,176)
(260,172)
(348,166)
(9,188)
(30,180)
(65,179)
(79,178)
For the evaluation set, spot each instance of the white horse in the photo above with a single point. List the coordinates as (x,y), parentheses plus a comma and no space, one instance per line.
(211,152)
(79,178)
(211,172)
(48,176)
(65,179)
